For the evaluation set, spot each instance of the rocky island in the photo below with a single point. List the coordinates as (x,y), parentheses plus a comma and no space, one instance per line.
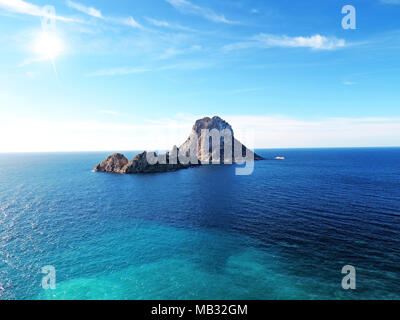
(211,141)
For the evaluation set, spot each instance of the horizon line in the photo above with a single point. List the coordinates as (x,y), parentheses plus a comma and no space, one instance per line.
(141,150)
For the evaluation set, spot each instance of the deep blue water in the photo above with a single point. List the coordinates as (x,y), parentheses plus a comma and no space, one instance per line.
(284,232)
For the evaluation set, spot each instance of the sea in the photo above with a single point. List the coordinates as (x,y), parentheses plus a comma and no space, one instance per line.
(284,232)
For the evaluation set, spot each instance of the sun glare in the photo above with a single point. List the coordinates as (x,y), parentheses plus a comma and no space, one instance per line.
(48,45)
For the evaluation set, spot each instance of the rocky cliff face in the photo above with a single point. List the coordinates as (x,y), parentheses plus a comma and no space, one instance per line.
(211,123)
(197,148)
(202,152)
(195,144)
(114,163)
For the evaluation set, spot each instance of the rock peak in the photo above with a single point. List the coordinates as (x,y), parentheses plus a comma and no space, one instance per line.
(210,124)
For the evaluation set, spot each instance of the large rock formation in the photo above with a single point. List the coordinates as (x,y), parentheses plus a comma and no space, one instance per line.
(215,123)
(196,150)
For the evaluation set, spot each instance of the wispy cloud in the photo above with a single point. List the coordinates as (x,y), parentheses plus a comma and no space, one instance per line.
(118,71)
(129,21)
(31,74)
(316,42)
(187,7)
(87,10)
(349,83)
(173,52)
(109,112)
(244,90)
(23,7)
(169,25)
(189,65)
(29,61)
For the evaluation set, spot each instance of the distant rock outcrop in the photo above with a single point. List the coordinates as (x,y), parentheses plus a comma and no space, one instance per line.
(196,150)
(114,163)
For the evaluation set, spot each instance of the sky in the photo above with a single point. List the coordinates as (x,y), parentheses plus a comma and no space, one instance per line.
(133,75)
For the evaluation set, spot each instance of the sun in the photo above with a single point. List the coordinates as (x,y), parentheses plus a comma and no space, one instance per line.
(48,45)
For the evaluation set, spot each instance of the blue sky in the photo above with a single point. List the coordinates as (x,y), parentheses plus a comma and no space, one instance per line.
(136,74)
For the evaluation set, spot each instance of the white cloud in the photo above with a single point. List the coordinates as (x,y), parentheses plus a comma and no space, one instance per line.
(121,71)
(129,21)
(188,66)
(172,52)
(31,74)
(87,10)
(159,23)
(286,132)
(20,6)
(316,42)
(244,90)
(29,61)
(189,8)
(109,112)
(166,24)
(349,83)
(118,71)
(161,134)
(23,7)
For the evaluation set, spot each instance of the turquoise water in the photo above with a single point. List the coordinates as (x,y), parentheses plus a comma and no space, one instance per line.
(284,232)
